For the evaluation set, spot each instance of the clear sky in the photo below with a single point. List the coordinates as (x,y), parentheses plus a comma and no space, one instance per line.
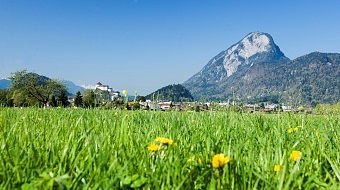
(143,45)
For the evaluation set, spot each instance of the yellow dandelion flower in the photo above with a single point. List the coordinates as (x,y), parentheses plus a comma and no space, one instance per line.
(219,160)
(153,147)
(164,140)
(124,92)
(277,168)
(290,130)
(295,155)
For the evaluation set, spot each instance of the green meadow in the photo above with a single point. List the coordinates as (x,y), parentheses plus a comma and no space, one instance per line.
(107,149)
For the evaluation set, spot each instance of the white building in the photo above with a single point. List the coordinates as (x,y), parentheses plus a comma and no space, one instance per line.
(112,94)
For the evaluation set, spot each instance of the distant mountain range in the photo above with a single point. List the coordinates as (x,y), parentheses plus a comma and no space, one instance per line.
(5,83)
(71,87)
(254,69)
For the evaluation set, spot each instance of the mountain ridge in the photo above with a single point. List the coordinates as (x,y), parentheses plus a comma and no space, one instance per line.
(267,71)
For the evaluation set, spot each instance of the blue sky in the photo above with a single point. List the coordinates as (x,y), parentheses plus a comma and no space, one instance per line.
(143,45)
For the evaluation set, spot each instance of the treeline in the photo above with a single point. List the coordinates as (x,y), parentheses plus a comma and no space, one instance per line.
(30,89)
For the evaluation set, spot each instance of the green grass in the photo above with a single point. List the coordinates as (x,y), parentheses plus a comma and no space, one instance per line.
(107,149)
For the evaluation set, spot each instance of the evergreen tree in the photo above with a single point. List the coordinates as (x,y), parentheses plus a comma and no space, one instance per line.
(78,101)
(62,99)
(52,101)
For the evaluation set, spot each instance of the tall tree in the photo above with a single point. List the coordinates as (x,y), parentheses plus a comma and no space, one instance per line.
(63,99)
(52,101)
(35,86)
(78,101)
(89,98)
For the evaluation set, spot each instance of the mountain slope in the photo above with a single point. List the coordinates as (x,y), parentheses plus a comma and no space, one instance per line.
(256,47)
(263,72)
(313,77)
(73,88)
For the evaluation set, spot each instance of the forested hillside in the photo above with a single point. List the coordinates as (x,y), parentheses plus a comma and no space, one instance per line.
(174,92)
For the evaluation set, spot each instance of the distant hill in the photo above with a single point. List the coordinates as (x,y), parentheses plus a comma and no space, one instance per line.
(5,84)
(255,69)
(71,87)
(174,92)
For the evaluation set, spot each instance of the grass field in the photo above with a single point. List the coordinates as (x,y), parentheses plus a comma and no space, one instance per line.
(107,149)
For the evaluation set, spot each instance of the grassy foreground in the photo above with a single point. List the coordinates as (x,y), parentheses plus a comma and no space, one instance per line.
(106,149)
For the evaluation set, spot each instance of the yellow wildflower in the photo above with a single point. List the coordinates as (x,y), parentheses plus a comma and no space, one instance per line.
(277,168)
(164,141)
(124,92)
(199,160)
(219,160)
(295,155)
(290,130)
(153,147)
(191,159)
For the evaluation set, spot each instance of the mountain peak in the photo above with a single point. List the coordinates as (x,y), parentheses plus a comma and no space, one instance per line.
(254,43)
(255,47)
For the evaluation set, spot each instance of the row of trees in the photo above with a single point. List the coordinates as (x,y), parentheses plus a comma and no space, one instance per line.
(31,89)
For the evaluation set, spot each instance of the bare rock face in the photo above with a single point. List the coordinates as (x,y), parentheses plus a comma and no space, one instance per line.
(255,48)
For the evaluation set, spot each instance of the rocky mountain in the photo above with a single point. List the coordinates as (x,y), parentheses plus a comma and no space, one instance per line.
(255,69)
